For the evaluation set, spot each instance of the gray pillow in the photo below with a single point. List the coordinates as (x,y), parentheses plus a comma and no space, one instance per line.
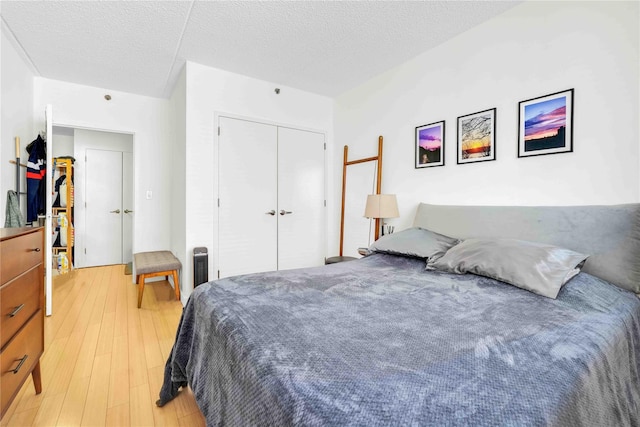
(540,268)
(415,242)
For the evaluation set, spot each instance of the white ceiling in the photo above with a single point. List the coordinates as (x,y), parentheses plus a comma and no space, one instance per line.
(325,47)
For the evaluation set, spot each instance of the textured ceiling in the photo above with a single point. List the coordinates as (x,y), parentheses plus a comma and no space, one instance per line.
(325,47)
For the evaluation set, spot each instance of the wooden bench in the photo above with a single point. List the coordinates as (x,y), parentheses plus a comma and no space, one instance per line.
(155,264)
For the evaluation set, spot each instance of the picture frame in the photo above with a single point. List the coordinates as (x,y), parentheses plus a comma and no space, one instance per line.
(477,137)
(429,145)
(545,124)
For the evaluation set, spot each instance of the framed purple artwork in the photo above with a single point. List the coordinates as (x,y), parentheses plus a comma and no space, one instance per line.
(545,124)
(430,145)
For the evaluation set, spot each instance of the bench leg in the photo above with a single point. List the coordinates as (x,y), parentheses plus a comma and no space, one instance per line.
(176,284)
(140,289)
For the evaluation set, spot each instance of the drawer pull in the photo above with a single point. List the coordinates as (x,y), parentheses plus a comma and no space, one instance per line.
(24,359)
(17,309)
(35,250)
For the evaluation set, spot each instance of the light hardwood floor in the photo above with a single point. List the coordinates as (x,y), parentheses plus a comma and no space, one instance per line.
(104,358)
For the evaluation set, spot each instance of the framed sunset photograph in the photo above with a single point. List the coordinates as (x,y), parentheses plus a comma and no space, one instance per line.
(430,145)
(477,137)
(545,124)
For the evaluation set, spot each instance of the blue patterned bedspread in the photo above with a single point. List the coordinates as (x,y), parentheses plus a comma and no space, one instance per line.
(380,341)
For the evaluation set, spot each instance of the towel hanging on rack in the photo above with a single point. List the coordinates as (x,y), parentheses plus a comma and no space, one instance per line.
(13,216)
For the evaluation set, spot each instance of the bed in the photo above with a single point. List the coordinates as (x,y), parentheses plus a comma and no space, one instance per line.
(382,341)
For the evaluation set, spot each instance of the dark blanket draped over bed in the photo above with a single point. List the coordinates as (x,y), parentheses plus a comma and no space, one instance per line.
(381,341)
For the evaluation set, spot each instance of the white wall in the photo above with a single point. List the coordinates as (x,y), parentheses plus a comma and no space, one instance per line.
(210,92)
(64,142)
(16,82)
(534,49)
(178,165)
(148,119)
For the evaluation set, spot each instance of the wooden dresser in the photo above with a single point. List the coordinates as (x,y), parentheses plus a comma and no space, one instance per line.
(22,310)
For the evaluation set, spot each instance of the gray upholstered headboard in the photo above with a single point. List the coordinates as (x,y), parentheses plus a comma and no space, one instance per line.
(609,234)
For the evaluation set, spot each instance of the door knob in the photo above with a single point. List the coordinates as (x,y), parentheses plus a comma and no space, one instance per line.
(127,211)
(116,211)
(271,212)
(283,212)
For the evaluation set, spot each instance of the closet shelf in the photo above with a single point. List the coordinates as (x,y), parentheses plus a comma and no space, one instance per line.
(63,254)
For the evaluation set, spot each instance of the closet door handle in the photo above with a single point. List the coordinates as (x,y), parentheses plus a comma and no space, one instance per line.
(117,211)
(271,212)
(127,211)
(283,212)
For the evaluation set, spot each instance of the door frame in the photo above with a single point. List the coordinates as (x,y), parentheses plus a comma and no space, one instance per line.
(79,238)
(213,262)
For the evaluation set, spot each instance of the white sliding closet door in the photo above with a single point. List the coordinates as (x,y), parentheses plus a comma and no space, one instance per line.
(248,222)
(271,212)
(300,198)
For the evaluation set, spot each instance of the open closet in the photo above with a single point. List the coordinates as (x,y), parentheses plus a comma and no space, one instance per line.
(63,218)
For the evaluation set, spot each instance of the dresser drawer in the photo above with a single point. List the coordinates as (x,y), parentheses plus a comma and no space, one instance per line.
(28,342)
(20,254)
(19,299)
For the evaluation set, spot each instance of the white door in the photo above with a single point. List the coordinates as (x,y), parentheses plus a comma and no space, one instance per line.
(103,211)
(48,229)
(301,198)
(247,218)
(127,205)
(271,190)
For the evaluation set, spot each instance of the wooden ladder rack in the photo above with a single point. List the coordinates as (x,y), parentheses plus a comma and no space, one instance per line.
(347,162)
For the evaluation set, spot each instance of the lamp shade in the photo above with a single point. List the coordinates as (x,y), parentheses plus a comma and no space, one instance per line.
(381,206)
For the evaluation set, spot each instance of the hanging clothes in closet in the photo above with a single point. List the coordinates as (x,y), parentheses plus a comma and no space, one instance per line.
(36,184)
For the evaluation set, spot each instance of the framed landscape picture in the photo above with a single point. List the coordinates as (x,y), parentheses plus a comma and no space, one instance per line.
(430,145)
(477,137)
(545,125)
